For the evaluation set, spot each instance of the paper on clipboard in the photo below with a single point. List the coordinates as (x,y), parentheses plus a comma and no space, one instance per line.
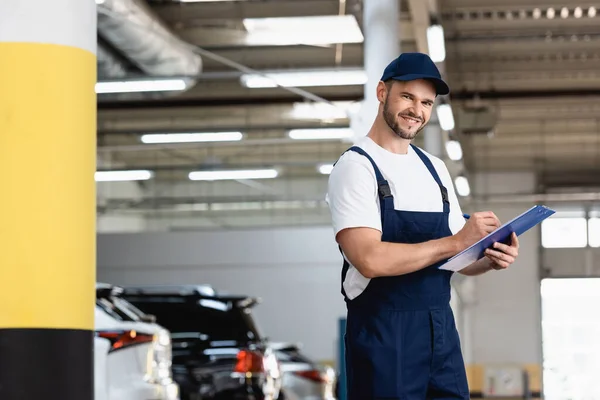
(519,225)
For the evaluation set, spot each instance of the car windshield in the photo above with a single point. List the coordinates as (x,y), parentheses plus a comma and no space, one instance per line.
(111,309)
(217,319)
(120,308)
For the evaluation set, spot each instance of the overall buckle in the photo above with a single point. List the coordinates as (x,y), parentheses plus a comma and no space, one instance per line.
(384,189)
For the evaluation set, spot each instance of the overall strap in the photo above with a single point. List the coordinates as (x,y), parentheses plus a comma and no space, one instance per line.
(435,175)
(383,187)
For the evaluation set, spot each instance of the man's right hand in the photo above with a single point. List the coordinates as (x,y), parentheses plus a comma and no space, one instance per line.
(477,227)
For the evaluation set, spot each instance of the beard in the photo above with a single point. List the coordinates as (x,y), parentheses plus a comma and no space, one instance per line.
(392,121)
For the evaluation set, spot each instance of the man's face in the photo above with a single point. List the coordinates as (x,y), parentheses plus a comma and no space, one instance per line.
(407,107)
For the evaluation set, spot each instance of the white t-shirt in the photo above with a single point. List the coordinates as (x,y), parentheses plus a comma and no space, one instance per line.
(353,200)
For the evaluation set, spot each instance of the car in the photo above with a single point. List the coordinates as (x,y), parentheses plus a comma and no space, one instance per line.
(304,379)
(218,351)
(132,353)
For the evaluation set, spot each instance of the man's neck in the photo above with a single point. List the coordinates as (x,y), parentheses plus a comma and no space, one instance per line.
(381,134)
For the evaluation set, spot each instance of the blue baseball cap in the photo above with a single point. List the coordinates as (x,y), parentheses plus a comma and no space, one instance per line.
(411,66)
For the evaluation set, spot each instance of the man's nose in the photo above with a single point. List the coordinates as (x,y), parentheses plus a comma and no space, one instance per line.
(416,109)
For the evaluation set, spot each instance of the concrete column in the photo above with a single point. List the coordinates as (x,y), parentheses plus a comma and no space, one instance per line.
(47,207)
(434,139)
(381,19)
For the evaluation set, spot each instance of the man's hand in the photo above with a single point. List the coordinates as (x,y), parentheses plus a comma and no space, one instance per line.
(502,255)
(477,227)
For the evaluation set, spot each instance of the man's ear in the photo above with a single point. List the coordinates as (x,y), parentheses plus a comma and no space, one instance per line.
(382,90)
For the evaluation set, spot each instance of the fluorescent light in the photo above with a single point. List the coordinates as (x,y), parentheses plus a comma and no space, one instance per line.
(146,85)
(462,186)
(454,150)
(592,12)
(578,13)
(445,116)
(325,169)
(550,13)
(191,137)
(321,133)
(537,13)
(233,175)
(324,111)
(435,42)
(305,79)
(121,176)
(312,30)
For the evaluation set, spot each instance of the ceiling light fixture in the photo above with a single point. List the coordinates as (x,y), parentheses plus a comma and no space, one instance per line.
(152,138)
(143,85)
(305,79)
(578,13)
(592,12)
(323,111)
(310,30)
(325,169)
(435,42)
(462,186)
(445,116)
(564,12)
(123,176)
(204,1)
(321,134)
(233,174)
(454,150)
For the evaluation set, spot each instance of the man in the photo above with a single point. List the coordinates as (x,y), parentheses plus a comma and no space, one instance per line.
(396,218)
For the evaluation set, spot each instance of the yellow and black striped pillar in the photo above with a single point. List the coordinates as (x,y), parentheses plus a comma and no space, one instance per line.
(47,198)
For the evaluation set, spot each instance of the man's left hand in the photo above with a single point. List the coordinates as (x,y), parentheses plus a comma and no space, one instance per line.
(502,255)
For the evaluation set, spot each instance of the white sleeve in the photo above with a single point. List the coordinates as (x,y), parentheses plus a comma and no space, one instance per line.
(352,196)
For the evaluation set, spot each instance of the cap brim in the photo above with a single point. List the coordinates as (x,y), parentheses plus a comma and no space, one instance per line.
(441,87)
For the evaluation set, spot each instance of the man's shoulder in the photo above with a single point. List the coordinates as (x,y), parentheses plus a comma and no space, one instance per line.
(353,157)
(436,161)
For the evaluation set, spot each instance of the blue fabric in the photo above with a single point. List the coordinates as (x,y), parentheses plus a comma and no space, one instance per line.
(411,66)
(401,339)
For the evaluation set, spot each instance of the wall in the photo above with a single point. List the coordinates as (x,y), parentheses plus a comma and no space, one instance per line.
(296,272)
(504,312)
(571,262)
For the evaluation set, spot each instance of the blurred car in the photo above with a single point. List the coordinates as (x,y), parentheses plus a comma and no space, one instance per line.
(303,379)
(132,354)
(218,351)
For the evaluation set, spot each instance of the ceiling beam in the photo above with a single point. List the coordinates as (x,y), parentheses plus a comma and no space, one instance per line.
(523,94)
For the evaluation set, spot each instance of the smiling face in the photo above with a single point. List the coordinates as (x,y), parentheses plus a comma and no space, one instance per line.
(407,106)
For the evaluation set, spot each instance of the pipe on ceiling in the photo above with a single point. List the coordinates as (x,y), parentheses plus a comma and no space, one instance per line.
(131,27)
(109,66)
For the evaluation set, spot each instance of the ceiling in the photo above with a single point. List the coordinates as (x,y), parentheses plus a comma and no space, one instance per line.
(525,91)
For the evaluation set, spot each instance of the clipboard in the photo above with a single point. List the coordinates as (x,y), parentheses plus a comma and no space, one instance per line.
(519,225)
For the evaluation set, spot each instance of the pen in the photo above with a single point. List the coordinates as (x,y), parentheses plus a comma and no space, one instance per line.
(466,216)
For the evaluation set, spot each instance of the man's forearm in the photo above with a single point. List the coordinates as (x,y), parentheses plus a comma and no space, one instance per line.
(391,259)
(477,268)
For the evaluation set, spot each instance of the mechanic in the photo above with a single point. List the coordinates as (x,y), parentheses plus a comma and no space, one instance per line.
(396,218)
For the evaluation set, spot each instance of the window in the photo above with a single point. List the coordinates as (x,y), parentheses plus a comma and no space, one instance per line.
(564,232)
(571,349)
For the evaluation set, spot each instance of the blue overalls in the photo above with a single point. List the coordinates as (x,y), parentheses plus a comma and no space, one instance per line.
(401,339)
